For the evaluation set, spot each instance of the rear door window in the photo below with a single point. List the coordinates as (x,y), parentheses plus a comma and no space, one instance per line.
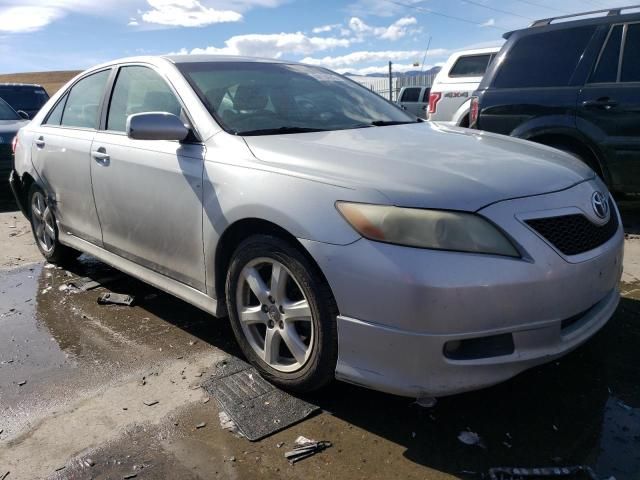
(411,95)
(546,59)
(607,68)
(55,117)
(630,63)
(139,90)
(471,66)
(83,101)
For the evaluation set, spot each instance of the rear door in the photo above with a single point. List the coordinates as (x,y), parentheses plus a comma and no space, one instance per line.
(410,99)
(609,105)
(149,192)
(61,155)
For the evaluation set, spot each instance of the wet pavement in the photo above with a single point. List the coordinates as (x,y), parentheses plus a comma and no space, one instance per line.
(91,370)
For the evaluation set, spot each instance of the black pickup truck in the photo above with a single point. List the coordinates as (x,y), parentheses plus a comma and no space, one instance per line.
(574,84)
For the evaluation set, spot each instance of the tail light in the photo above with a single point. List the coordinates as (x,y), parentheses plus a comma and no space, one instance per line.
(14,144)
(434,98)
(474,111)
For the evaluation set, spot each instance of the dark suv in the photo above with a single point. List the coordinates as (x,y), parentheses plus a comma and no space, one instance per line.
(573,85)
(24,97)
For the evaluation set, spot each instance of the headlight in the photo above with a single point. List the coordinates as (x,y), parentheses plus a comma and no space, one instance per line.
(436,229)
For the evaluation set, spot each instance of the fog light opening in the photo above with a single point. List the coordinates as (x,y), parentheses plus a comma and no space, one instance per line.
(482,347)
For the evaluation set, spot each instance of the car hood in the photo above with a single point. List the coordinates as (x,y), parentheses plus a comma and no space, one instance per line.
(425,165)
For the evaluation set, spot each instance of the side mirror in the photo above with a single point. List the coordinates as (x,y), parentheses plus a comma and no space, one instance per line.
(24,115)
(156,126)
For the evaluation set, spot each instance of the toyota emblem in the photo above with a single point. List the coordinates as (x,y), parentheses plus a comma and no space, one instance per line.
(600,204)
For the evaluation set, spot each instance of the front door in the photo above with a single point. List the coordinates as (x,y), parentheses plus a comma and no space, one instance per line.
(609,106)
(148,193)
(61,156)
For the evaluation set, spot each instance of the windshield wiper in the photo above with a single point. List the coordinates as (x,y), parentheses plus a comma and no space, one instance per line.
(280,131)
(386,123)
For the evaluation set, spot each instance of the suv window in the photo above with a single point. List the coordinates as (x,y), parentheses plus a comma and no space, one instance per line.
(546,59)
(471,66)
(411,95)
(607,69)
(22,97)
(83,101)
(138,90)
(630,64)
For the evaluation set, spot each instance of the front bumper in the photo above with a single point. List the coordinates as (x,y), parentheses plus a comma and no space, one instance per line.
(401,306)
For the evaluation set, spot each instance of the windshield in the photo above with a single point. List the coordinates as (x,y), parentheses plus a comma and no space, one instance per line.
(250,98)
(6,112)
(24,98)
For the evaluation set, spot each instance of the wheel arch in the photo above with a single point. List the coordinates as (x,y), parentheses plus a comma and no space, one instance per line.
(238,231)
(576,142)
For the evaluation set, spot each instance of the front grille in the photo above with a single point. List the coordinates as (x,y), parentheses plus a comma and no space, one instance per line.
(575,234)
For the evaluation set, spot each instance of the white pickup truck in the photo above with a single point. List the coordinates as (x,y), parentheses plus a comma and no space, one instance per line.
(450,96)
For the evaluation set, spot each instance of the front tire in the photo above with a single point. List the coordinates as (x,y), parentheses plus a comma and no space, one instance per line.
(45,229)
(282,313)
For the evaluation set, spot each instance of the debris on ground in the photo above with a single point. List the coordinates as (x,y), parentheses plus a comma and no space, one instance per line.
(5,476)
(579,472)
(151,403)
(279,445)
(426,402)
(201,425)
(226,423)
(89,462)
(115,299)
(84,284)
(61,468)
(470,438)
(131,475)
(22,383)
(306,448)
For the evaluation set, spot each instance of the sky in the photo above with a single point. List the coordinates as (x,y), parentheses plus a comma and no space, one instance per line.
(357,36)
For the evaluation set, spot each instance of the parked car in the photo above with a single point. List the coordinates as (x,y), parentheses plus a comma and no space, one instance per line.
(10,123)
(414,100)
(342,236)
(24,97)
(573,85)
(453,87)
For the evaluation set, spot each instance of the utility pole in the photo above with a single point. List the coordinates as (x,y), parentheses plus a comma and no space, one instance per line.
(390,82)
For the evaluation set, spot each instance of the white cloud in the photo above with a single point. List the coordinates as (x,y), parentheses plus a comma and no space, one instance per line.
(363,57)
(27,18)
(186,13)
(326,28)
(489,23)
(272,45)
(395,31)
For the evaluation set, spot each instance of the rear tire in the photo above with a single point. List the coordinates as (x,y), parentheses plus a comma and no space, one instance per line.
(45,229)
(282,313)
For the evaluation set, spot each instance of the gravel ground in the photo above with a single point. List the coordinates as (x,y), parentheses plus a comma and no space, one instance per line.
(76,378)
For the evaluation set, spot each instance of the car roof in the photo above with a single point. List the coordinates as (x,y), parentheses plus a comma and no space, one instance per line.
(187,58)
(20,85)
(595,17)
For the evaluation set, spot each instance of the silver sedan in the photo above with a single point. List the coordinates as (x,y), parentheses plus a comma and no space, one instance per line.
(342,237)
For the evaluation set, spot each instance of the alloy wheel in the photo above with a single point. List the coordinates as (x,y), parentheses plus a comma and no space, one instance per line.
(275,315)
(43,222)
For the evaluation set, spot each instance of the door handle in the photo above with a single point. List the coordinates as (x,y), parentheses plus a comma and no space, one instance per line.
(101,156)
(40,142)
(605,103)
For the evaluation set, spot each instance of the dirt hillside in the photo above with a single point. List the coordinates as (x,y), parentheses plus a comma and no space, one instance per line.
(51,81)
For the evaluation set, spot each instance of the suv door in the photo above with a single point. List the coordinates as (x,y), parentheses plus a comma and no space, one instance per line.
(148,193)
(609,106)
(410,99)
(61,156)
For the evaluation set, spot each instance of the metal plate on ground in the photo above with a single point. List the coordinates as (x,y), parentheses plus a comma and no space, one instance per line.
(257,408)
